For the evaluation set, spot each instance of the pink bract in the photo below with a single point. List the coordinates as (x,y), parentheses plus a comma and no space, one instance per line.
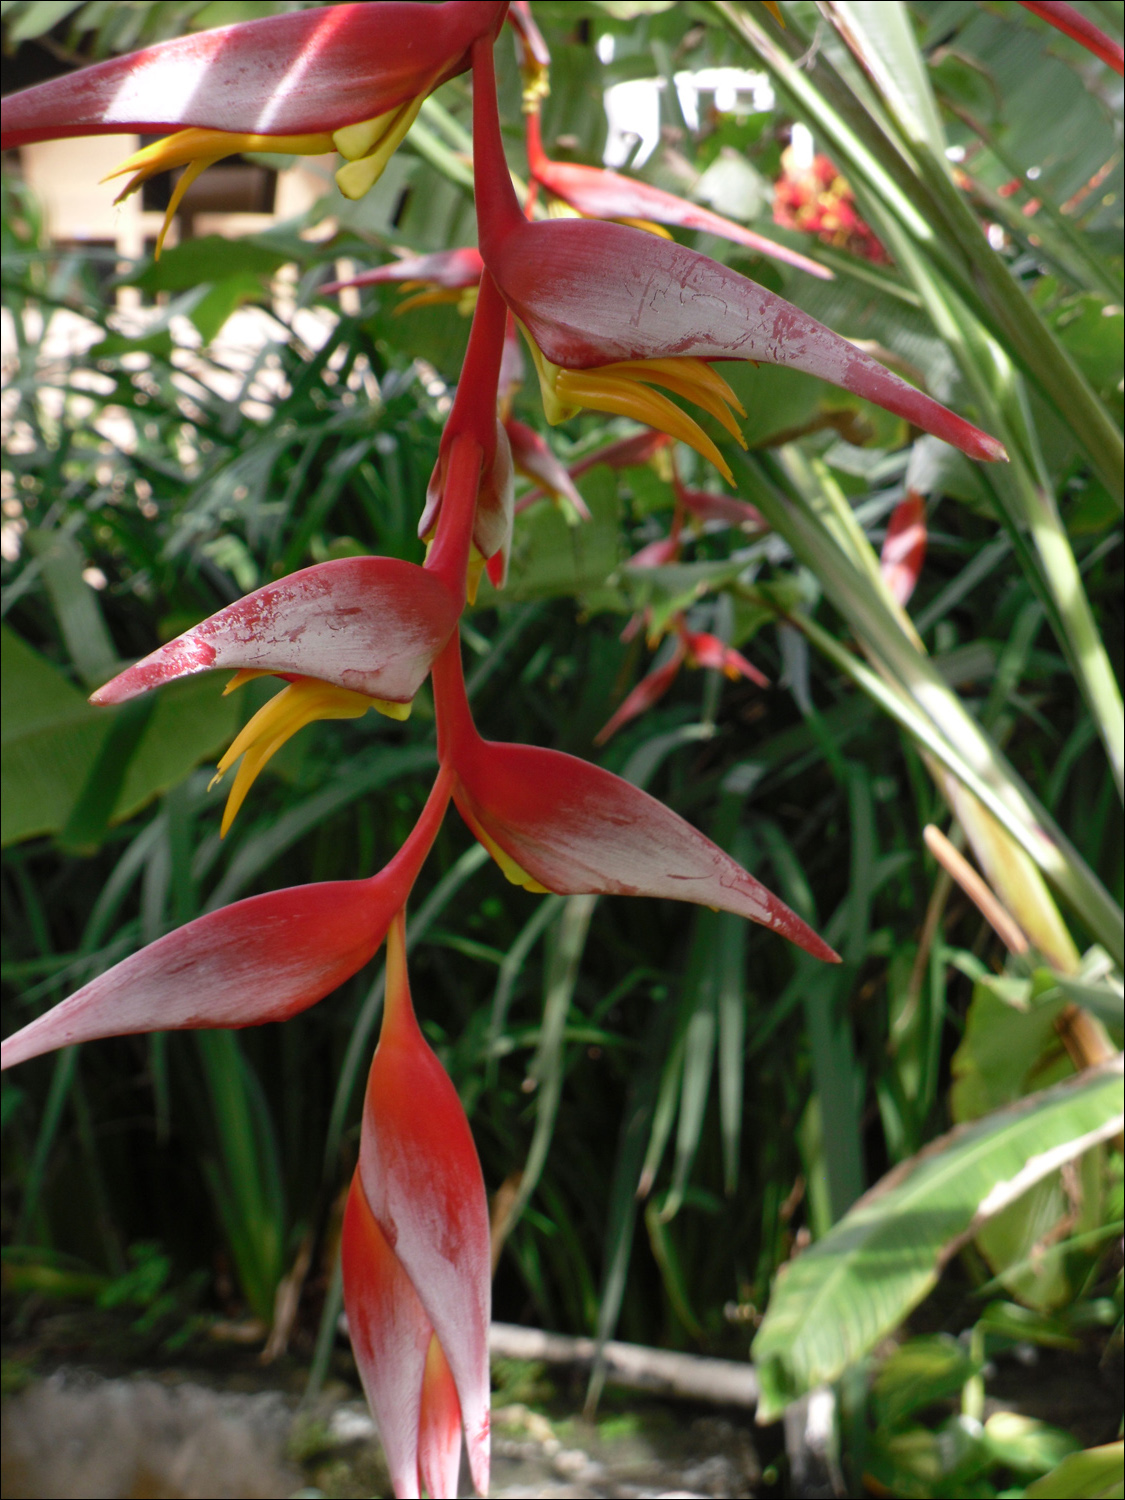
(421,1180)
(369,624)
(263,959)
(298,73)
(451,269)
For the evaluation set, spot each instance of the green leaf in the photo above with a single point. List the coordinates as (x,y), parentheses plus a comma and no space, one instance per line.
(830,1306)
(1023,1325)
(1009,1047)
(75,604)
(1024,1444)
(922,1371)
(211,259)
(40,16)
(51,737)
(1106,1000)
(1092,329)
(550,558)
(191,721)
(1094,1474)
(882,37)
(962,82)
(222,299)
(629,10)
(89,817)
(52,740)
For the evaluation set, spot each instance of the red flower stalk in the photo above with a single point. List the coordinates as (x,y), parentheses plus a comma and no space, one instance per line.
(416,1258)
(262,959)
(470,516)
(556,823)
(1071,21)
(904,547)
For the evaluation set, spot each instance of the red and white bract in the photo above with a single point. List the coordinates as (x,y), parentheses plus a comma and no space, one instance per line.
(298,73)
(658,554)
(420,1181)
(492,527)
(494,511)
(263,959)
(390,1336)
(451,270)
(533,458)
(904,547)
(578,830)
(531,46)
(369,624)
(706,505)
(592,294)
(623,453)
(601,194)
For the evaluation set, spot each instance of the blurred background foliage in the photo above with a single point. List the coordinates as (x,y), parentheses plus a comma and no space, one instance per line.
(669,1104)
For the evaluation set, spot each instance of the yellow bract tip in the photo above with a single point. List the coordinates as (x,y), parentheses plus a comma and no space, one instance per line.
(393,710)
(535,78)
(196,149)
(473,574)
(648,226)
(554,409)
(512,871)
(384,133)
(619,389)
(277,721)
(354,141)
(242,677)
(430,298)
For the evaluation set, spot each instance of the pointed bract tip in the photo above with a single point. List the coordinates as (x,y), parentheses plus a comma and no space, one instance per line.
(262,959)
(576,829)
(370,625)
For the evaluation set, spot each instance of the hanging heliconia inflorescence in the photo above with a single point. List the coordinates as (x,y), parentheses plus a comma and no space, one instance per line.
(616,318)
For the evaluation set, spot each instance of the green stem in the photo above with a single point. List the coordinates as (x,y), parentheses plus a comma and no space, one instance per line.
(1027,501)
(1060,862)
(949,730)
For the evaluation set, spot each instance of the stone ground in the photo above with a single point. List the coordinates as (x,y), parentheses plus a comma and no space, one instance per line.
(77,1433)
